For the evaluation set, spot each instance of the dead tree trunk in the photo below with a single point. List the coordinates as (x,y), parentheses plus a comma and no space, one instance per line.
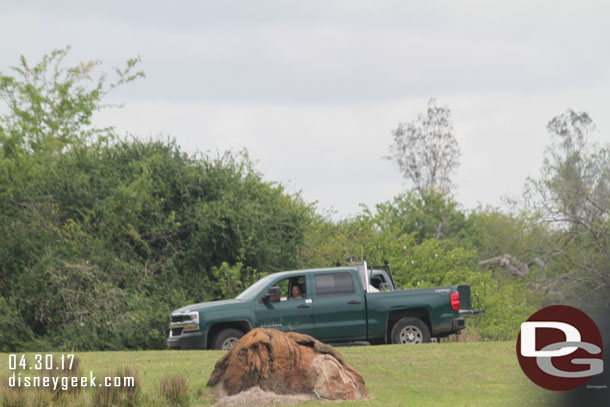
(513,265)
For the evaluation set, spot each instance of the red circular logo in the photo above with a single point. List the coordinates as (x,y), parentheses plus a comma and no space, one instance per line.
(560,348)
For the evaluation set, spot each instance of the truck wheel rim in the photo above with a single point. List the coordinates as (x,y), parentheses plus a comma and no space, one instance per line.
(411,334)
(229,343)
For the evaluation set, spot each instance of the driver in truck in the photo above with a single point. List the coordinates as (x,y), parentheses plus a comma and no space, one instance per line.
(296,293)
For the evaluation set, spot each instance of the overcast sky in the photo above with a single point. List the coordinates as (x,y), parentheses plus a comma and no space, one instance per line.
(313,89)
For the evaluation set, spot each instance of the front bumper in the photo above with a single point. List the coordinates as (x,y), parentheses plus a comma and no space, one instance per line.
(189,340)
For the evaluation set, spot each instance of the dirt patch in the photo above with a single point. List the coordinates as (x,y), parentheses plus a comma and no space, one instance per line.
(255,397)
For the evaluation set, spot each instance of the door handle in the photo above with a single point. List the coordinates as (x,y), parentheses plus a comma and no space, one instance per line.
(353,302)
(303,306)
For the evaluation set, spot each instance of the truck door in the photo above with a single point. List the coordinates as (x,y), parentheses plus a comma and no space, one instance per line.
(292,312)
(339,308)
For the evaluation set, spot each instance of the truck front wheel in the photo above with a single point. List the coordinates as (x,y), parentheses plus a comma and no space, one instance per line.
(410,330)
(226,339)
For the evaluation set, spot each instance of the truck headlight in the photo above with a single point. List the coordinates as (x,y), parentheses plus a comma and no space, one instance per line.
(192,322)
(184,321)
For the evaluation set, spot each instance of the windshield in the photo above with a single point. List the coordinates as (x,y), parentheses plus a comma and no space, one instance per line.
(254,289)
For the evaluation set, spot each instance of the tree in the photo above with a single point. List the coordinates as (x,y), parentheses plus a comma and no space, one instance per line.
(50,105)
(434,216)
(571,171)
(426,150)
(573,194)
(102,237)
(571,202)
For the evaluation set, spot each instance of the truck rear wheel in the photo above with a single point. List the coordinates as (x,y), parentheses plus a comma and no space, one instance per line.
(410,331)
(226,339)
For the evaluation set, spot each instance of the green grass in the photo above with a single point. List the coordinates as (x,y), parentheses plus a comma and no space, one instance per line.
(447,374)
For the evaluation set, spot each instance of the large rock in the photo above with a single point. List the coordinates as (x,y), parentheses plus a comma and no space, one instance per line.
(286,363)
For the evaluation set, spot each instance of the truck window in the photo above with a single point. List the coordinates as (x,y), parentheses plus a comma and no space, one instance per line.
(287,292)
(334,284)
(377,280)
(251,291)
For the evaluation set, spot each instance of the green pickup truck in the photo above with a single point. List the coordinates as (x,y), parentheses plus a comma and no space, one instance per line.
(341,304)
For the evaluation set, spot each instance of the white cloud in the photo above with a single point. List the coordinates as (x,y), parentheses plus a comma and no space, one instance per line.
(313,89)
(334,152)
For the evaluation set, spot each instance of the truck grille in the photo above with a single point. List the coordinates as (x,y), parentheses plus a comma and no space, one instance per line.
(176,331)
(179,318)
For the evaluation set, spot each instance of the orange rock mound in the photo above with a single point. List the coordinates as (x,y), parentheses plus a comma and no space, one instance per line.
(286,363)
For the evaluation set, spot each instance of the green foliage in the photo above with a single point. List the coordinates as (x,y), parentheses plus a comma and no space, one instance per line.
(10,322)
(434,215)
(388,231)
(104,237)
(232,280)
(51,105)
(572,198)
(326,242)
(507,300)
(435,263)
(117,236)
(494,233)
(404,231)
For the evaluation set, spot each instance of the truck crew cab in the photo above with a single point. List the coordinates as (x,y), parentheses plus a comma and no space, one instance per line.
(341,304)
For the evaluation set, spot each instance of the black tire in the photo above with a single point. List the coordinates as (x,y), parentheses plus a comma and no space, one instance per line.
(226,339)
(410,330)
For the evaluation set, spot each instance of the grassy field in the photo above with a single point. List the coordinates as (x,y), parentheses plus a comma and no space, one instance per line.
(447,374)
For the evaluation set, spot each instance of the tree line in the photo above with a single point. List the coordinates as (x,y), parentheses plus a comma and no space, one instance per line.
(103,236)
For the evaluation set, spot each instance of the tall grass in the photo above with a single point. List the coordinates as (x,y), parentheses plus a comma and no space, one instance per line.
(430,375)
(118,396)
(41,398)
(12,396)
(68,370)
(173,389)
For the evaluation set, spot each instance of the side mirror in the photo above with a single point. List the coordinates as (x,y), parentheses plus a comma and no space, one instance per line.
(273,293)
(384,287)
